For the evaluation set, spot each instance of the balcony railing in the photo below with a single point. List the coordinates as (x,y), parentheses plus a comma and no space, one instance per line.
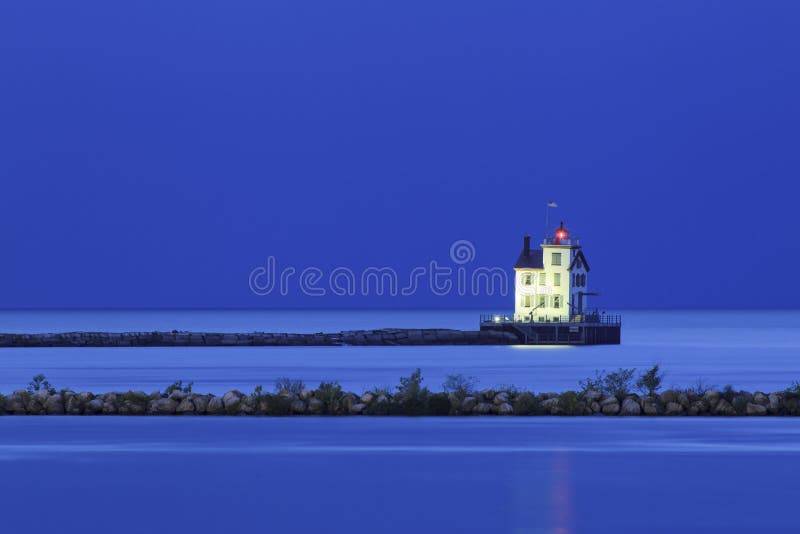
(587,318)
(573,241)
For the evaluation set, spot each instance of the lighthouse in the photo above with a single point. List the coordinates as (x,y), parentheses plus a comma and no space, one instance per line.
(550,281)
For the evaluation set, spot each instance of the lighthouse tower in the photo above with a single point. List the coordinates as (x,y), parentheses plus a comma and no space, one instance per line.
(550,283)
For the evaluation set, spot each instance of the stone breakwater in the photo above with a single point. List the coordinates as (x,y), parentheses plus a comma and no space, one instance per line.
(386,336)
(330,400)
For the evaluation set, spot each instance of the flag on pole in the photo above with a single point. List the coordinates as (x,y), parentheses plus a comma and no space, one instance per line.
(552,204)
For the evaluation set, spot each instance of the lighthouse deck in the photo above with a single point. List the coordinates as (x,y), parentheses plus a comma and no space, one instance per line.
(593,329)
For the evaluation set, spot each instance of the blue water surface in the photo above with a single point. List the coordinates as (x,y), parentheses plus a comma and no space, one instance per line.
(499,475)
(515,475)
(747,349)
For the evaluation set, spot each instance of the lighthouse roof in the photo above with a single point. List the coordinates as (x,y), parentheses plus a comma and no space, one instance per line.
(534,260)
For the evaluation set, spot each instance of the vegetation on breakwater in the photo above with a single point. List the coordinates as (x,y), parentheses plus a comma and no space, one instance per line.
(605,393)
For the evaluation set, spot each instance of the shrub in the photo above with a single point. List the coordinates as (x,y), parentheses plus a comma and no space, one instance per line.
(525,404)
(740,404)
(461,386)
(700,387)
(40,383)
(437,404)
(793,389)
(511,389)
(330,393)
(617,383)
(411,396)
(178,386)
(569,403)
(277,404)
(650,381)
(728,392)
(288,385)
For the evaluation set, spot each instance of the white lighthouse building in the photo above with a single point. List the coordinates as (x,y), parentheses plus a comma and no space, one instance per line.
(550,282)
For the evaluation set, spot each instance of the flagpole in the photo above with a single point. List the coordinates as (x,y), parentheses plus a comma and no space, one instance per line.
(550,204)
(546,219)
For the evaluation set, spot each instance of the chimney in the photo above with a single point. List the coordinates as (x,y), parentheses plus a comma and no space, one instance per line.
(526,248)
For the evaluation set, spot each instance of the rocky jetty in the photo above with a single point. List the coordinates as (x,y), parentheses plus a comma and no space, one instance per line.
(386,336)
(330,399)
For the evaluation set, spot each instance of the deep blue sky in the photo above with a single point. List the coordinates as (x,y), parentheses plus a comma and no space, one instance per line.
(153,153)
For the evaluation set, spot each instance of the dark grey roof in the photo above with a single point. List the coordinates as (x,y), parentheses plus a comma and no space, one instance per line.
(534,260)
(583,259)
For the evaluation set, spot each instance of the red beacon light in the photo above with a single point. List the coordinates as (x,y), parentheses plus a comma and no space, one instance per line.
(561,234)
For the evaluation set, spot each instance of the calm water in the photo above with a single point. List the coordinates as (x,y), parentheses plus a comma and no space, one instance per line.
(460,475)
(753,349)
(516,475)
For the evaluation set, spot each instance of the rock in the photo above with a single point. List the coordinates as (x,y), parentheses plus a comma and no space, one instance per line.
(215,406)
(163,406)
(54,405)
(711,397)
(595,407)
(133,406)
(505,409)
(186,406)
(683,400)
(347,401)
(775,403)
(630,407)
(756,409)
(358,408)
(674,408)
(306,394)
(382,399)
(610,408)
(73,405)
(298,406)
(247,405)
(94,406)
(200,403)
(760,398)
(109,404)
(16,402)
(592,395)
(177,395)
(550,406)
(697,408)
(611,399)
(482,408)
(501,398)
(650,406)
(315,406)
(724,408)
(231,401)
(367,397)
(35,402)
(468,404)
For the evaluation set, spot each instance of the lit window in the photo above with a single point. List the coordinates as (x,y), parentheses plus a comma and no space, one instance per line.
(527,278)
(556,258)
(542,279)
(556,279)
(526,301)
(542,301)
(556,301)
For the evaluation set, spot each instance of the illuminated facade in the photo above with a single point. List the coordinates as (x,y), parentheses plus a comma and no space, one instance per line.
(550,283)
